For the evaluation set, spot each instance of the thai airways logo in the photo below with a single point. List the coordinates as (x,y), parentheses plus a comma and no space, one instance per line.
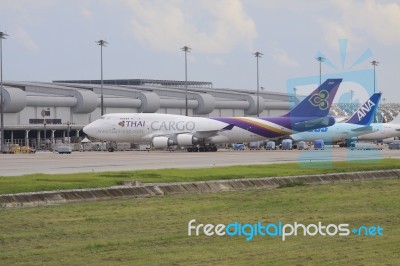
(363,111)
(121,124)
(320,100)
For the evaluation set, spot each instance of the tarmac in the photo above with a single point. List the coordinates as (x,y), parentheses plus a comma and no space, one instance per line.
(81,162)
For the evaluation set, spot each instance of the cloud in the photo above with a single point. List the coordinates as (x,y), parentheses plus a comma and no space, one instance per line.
(359,20)
(23,37)
(86,13)
(208,26)
(334,31)
(217,61)
(281,57)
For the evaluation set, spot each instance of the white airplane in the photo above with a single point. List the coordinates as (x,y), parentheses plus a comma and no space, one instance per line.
(385,132)
(200,133)
(358,124)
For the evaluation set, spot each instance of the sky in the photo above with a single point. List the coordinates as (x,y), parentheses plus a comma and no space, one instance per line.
(56,40)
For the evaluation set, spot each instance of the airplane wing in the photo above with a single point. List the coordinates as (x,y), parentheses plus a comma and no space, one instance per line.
(205,133)
(211,132)
(303,126)
(366,128)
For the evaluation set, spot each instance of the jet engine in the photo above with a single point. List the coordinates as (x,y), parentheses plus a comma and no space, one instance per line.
(162,142)
(187,140)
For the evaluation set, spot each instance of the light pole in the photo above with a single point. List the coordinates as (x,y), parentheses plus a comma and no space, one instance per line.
(375,64)
(351,96)
(186,49)
(320,59)
(258,55)
(2,36)
(102,43)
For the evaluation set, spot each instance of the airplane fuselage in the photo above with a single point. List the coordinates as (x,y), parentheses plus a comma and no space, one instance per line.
(143,128)
(337,132)
(382,131)
(165,130)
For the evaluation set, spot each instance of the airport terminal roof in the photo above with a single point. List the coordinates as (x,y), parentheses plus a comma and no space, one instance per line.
(140,82)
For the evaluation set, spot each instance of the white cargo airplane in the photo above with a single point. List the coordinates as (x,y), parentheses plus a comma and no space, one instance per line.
(358,124)
(200,133)
(385,132)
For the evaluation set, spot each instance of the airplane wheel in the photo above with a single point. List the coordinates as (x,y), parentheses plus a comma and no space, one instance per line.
(195,149)
(201,149)
(214,148)
(189,149)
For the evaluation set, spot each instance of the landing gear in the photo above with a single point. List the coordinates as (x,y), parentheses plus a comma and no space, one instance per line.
(207,148)
(111,146)
(192,149)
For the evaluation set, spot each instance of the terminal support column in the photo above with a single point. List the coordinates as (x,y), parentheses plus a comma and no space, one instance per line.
(38,140)
(27,137)
(52,137)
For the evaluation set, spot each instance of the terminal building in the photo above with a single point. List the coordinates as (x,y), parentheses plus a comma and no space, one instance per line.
(40,112)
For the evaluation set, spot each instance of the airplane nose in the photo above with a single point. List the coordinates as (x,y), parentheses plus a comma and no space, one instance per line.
(89,129)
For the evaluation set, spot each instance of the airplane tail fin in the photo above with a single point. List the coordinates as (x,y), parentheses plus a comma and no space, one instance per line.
(318,103)
(365,114)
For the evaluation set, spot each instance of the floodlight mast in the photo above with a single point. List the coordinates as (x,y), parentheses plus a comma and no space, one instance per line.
(258,55)
(320,59)
(2,36)
(102,44)
(186,49)
(375,64)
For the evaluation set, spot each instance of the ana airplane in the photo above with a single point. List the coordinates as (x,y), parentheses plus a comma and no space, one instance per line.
(201,133)
(355,126)
(385,132)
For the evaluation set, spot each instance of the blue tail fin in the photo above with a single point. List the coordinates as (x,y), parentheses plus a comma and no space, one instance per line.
(365,114)
(318,103)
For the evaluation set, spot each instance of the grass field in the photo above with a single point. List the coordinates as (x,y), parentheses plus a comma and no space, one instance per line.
(41,182)
(153,231)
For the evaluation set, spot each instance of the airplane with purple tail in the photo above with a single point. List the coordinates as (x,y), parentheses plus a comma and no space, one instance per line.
(202,133)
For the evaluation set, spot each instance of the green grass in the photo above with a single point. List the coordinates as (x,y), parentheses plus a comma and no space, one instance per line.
(41,182)
(153,231)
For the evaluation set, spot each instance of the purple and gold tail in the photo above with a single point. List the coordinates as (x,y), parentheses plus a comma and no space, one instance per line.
(318,103)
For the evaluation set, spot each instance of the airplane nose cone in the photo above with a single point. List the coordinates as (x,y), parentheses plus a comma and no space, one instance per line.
(89,130)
